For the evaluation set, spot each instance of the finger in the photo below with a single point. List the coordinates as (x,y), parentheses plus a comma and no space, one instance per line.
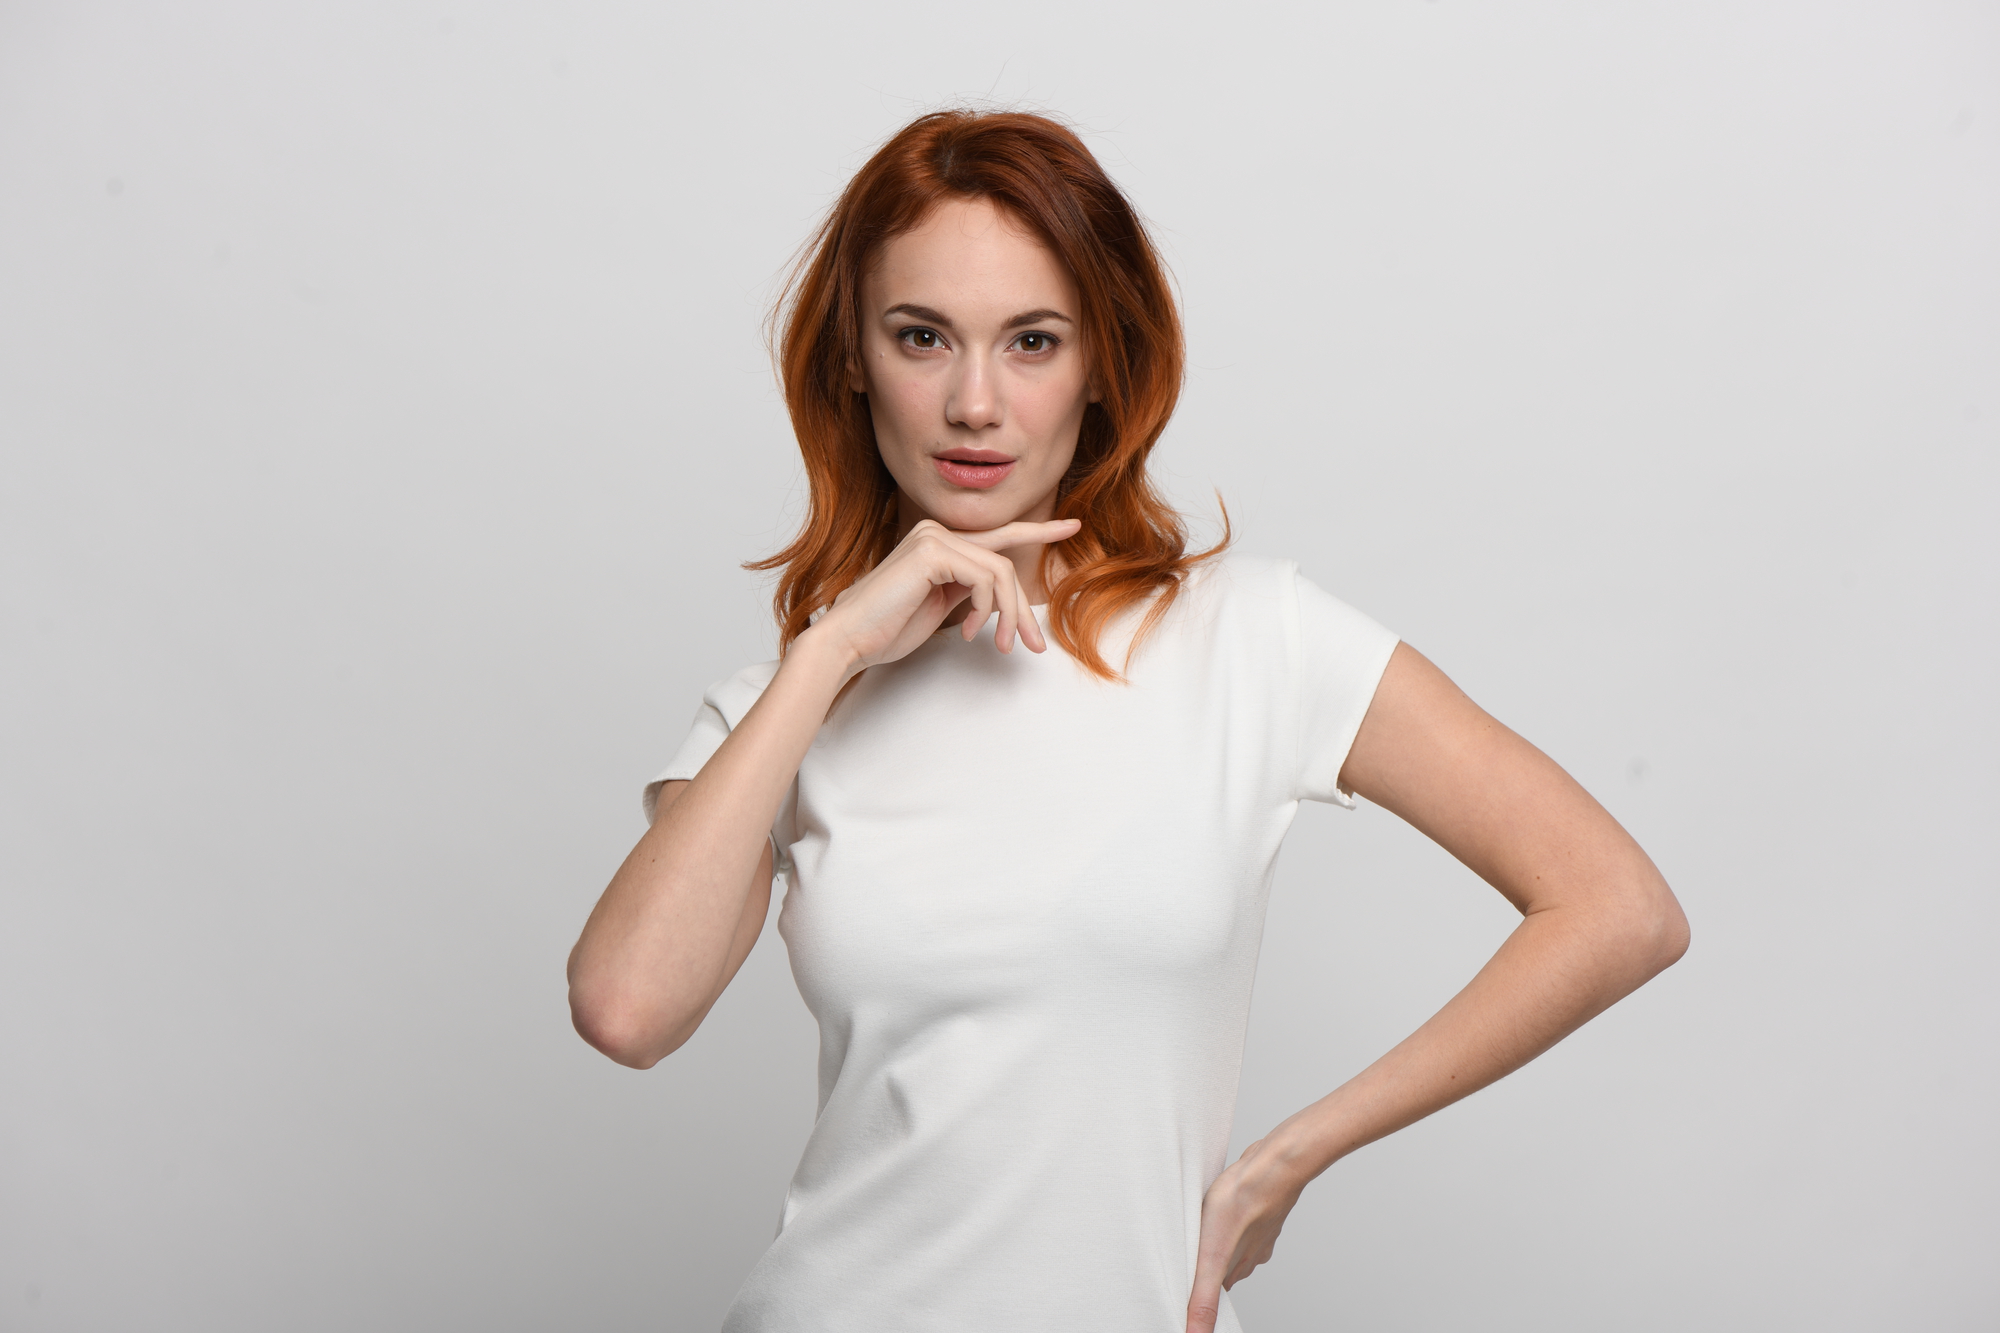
(1030,628)
(1006,603)
(992,579)
(954,593)
(1244,1268)
(1205,1305)
(955,570)
(1022,534)
(982,601)
(1009,600)
(994,587)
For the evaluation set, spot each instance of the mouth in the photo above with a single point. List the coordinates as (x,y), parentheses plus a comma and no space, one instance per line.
(975,469)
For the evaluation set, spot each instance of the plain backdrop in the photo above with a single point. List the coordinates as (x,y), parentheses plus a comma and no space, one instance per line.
(385,413)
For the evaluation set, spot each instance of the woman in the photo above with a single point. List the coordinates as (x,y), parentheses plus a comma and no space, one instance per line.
(1025,890)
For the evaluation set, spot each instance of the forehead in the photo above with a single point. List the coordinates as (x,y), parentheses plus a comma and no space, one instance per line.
(975,251)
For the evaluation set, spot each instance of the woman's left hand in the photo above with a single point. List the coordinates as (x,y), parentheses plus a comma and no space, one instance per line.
(1241,1216)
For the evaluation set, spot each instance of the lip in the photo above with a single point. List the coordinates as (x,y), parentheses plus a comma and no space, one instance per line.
(974,469)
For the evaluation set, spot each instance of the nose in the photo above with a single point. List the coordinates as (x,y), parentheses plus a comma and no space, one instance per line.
(974,401)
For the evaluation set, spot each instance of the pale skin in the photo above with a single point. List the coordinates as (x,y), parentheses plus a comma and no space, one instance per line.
(970,344)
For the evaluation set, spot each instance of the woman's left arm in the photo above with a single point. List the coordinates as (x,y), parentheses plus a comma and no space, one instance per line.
(1598,921)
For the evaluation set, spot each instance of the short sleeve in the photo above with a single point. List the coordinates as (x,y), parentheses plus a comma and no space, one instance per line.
(1340,656)
(723,706)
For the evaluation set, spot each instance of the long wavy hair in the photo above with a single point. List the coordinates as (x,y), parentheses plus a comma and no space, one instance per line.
(1132,544)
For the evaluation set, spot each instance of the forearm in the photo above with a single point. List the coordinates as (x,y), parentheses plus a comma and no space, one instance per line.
(657,949)
(1559,968)
(1597,921)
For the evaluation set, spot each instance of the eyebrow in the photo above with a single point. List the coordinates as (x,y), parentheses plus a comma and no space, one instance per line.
(930,316)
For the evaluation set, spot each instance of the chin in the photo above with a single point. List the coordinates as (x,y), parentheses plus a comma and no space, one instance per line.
(974,513)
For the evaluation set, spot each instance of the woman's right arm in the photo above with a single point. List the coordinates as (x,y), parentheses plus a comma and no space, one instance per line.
(684,909)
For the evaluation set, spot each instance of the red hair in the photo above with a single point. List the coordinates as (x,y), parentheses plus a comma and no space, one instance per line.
(1132,543)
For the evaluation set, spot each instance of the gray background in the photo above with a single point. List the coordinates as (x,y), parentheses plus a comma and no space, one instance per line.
(385,414)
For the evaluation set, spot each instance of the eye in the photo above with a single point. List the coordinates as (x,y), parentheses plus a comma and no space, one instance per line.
(924,340)
(1033,343)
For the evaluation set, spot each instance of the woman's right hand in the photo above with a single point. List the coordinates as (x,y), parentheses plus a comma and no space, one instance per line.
(895,606)
(683,911)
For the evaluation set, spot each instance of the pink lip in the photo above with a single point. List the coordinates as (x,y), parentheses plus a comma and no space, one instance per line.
(973,468)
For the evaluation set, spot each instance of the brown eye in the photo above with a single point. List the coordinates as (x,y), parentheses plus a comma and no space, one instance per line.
(924,339)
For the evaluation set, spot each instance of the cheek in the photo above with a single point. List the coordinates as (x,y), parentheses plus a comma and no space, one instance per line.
(1054,409)
(903,407)
(916,398)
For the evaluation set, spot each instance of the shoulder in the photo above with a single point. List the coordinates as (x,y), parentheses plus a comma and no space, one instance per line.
(1239,591)
(1238,578)
(1233,608)
(732,695)
(1252,592)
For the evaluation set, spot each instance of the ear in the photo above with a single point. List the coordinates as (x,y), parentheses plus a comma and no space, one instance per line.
(856,382)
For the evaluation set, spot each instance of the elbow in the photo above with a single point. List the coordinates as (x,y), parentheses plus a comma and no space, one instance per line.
(1636,931)
(623,1033)
(1675,937)
(1660,934)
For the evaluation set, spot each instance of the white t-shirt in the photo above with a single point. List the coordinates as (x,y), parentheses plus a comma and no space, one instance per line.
(1025,906)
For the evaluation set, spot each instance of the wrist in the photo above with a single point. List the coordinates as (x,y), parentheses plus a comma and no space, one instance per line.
(1302,1147)
(822,656)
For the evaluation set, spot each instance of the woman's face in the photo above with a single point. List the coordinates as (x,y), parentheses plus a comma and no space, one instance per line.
(973,363)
